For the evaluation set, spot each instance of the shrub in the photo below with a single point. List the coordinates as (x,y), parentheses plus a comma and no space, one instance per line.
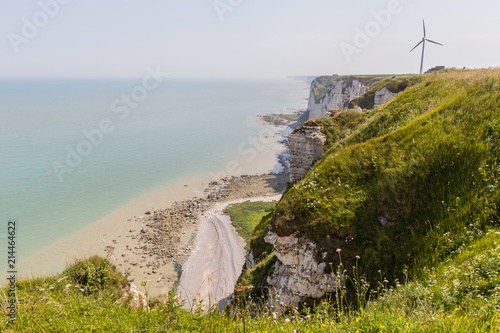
(95,274)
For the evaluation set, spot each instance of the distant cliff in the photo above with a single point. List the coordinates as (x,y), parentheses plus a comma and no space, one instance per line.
(398,187)
(335,92)
(330,98)
(353,92)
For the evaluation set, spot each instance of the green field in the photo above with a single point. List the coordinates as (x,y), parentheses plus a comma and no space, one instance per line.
(246,216)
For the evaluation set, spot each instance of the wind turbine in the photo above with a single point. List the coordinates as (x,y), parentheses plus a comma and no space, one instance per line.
(424,39)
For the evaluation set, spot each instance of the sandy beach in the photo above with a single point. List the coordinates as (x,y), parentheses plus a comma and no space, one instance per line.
(166,218)
(214,266)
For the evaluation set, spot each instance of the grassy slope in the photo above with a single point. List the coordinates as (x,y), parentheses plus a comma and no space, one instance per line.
(427,161)
(339,126)
(459,295)
(246,216)
(394,84)
(250,219)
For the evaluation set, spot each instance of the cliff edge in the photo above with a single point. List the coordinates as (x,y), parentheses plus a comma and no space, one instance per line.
(403,186)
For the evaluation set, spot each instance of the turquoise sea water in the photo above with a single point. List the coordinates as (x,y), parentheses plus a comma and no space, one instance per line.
(181,129)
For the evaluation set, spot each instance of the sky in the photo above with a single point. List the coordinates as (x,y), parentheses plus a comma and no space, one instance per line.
(243,38)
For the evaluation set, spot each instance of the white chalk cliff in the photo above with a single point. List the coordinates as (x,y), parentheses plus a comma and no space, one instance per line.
(382,96)
(338,93)
(297,275)
(306,145)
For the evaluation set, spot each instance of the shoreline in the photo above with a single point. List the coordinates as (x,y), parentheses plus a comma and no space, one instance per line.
(126,235)
(211,271)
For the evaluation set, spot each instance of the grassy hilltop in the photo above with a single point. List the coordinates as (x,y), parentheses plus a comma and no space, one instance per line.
(426,164)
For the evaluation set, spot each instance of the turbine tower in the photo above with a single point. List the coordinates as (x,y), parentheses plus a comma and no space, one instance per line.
(424,39)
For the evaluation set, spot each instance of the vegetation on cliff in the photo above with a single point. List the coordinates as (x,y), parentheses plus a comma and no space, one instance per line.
(324,84)
(339,126)
(395,84)
(459,295)
(245,216)
(409,193)
(426,165)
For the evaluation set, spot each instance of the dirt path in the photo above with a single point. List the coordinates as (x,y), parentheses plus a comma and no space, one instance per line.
(214,266)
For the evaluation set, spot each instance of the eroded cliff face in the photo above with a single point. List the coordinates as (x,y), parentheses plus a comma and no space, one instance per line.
(298,276)
(333,93)
(306,145)
(382,96)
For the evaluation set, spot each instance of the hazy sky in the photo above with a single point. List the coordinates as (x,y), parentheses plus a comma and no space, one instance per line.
(243,38)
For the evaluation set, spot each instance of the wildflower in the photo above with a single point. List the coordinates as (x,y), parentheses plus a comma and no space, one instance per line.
(307,317)
(287,320)
(382,326)
(357,319)
(357,257)
(274,315)
(498,306)
(385,281)
(398,285)
(485,299)
(339,250)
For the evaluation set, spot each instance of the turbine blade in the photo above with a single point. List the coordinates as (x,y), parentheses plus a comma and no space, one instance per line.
(417,45)
(434,42)
(425,34)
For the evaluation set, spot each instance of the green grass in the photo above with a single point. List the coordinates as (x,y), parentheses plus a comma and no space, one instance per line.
(394,84)
(291,117)
(427,161)
(252,282)
(458,295)
(339,126)
(247,215)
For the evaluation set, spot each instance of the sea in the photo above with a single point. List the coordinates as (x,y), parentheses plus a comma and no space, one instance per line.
(74,150)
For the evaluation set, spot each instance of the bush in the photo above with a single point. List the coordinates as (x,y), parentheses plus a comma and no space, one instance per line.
(95,274)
